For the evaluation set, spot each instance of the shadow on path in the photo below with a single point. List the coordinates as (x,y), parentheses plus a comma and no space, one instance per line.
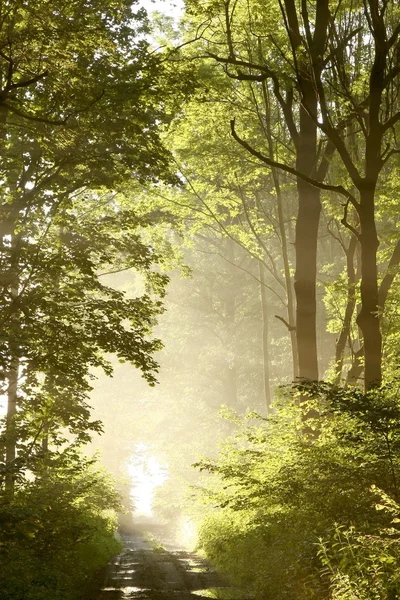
(145,573)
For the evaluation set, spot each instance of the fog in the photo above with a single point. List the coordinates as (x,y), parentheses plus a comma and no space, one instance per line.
(212,358)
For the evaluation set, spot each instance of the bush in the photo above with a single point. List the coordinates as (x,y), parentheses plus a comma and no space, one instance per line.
(285,486)
(56,532)
(364,566)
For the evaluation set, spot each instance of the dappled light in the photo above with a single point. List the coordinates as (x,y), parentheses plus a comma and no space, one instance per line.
(199,300)
(163,573)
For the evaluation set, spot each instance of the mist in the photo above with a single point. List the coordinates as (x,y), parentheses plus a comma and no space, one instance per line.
(199,300)
(211,367)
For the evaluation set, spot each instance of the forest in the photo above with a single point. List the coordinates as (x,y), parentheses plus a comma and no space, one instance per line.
(199,250)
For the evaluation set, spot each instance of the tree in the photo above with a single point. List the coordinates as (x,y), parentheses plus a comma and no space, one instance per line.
(321,94)
(224,194)
(251,59)
(81,112)
(367,93)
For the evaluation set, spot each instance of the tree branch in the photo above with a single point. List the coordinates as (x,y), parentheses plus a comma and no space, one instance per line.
(32,117)
(389,277)
(288,325)
(345,222)
(27,82)
(272,163)
(391,122)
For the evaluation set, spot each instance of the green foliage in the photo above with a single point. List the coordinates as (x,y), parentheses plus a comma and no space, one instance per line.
(82,107)
(65,70)
(286,486)
(360,565)
(57,531)
(68,321)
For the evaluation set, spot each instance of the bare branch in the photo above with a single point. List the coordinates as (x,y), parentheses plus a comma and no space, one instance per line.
(388,156)
(345,222)
(27,82)
(290,327)
(391,122)
(273,163)
(241,63)
(115,271)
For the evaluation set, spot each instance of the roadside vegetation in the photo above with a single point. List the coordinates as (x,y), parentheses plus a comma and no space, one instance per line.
(58,531)
(307,506)
(233,180)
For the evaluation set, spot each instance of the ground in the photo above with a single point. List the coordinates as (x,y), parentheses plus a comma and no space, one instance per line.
(153,567)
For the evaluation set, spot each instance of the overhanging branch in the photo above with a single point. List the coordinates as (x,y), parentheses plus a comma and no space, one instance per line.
(29,117)
(273,163)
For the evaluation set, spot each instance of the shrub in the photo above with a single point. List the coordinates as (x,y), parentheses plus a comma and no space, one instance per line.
(56,532)
(284,484)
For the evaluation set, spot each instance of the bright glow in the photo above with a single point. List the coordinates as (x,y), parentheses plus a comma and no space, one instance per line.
(186,533)
(171,8)
(128,591)
(147,474)
(3,406)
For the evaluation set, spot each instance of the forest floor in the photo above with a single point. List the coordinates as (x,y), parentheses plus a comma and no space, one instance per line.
(153,567)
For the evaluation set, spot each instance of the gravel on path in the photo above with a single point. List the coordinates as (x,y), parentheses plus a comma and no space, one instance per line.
(163,572)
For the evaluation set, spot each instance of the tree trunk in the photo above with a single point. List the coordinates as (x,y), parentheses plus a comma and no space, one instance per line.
(349,311)
(265,337)
(305,281)
(384,288)
(307,226)
(288,281)
(282,232)
(368,318)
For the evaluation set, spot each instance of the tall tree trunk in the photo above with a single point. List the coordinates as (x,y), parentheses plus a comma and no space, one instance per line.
(307,226)
(288,280)
(368,318)
(282,232)
(265,337)
(309,209)
(305,281)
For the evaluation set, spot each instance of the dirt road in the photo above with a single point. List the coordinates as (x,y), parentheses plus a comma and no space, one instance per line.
(163,571)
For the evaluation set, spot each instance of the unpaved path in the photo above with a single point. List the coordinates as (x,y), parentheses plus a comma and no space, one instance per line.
(166,573)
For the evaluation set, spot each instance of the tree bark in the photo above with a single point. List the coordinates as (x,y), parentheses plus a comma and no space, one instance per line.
(308,196)
(358,365)
(307,226)
(265,338)
(368,318)
(291,311)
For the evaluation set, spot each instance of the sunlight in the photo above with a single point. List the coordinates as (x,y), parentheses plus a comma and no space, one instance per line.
(171,8)
(147,474)
(187,533)
(3,406)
